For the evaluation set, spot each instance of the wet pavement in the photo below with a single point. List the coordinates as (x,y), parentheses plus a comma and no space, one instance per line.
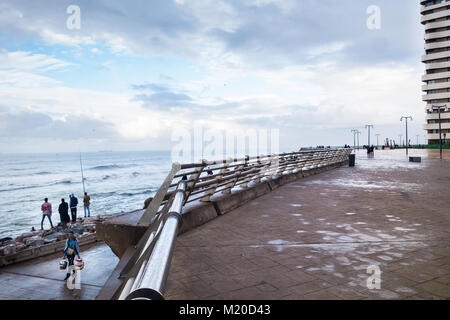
(41,279)
(316,238)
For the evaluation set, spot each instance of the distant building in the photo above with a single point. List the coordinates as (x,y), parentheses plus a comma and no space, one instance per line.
(436,19)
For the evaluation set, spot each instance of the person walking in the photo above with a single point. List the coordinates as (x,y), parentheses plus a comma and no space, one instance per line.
(87,203)
(73,207)
(64,213)
(72,248)
(46,212)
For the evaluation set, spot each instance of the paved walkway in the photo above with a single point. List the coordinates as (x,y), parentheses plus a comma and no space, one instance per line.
(41,279)
(315,238)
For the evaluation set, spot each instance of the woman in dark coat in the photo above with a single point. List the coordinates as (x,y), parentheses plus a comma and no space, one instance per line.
(64,213)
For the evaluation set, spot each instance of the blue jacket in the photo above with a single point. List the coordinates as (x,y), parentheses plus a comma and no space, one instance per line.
(73,202)
(73,245)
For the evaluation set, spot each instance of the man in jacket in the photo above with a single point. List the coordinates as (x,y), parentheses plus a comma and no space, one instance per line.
(87,203)
(64,213)
(46,212)
(73,207)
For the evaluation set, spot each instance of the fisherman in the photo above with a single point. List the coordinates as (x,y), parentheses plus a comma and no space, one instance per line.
(64,213)
(73,207)
(87,203)
(46,212)
(71,249)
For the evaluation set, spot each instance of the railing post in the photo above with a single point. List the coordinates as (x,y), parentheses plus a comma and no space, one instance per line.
(208,194)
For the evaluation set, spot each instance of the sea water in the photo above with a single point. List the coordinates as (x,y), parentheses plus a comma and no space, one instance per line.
(116,182)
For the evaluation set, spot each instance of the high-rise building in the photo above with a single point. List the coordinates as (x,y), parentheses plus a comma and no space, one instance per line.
(436,19)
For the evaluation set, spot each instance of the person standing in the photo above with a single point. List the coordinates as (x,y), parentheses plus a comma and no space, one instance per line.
(73,207)
(64,213)
(71,249)
(46,212)
(87,203)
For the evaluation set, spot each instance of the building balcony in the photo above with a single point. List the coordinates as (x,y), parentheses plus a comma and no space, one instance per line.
(435,56)
(433,7)
(437,35)
(436,96)
(436,86)
(441,14)
(435,76)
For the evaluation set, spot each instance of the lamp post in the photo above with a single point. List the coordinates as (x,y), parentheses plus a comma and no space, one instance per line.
(368,127)
(417,135)
(400,141)
(407,141)
(439,108)
(378,135)
(354,131)
(358,133)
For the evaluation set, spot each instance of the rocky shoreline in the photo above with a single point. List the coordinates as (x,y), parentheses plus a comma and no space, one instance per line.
(40,243)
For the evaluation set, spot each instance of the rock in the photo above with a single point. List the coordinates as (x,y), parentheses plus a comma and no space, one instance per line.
(91,220)
(11,248)
(23,237)
(90,228)
(56,236)
(5,241)
(35,241)
(77,229)
(48,241)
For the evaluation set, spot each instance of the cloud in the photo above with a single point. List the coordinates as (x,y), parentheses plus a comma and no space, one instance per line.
(289,32)
(27,61)
(40,125)
(301,66)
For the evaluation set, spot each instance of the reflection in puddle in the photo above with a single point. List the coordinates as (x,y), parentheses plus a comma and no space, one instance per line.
(404,229)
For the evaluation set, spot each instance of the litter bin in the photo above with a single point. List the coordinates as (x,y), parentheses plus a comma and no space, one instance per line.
(351,160)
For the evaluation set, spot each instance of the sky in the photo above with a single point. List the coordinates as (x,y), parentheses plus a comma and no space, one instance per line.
(136,72)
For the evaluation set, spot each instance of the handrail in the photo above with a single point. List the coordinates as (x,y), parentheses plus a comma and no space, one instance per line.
(150,281)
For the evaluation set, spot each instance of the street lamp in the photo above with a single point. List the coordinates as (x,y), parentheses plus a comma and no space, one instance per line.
(368,127)
(417,135)
(354,131)
(358,133)
(439,108)
(378,135)
(400,142)
(407,141)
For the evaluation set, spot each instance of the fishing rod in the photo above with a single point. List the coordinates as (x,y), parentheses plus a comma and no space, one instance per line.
(82,175)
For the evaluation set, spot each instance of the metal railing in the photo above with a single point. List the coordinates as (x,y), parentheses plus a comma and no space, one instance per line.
(146,272)
(146,275)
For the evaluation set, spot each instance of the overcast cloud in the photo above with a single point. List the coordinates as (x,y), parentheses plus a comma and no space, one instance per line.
(137,69)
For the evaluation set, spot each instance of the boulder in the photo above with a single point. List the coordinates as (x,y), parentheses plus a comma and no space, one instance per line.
(5,241)
(56,236)
(11,248)
(90,227)
(91,220)
(35,241)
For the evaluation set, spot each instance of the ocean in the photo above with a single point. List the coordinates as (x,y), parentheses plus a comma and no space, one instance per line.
(116,182)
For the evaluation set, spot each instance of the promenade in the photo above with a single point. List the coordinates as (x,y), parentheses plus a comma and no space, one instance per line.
(315,238)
